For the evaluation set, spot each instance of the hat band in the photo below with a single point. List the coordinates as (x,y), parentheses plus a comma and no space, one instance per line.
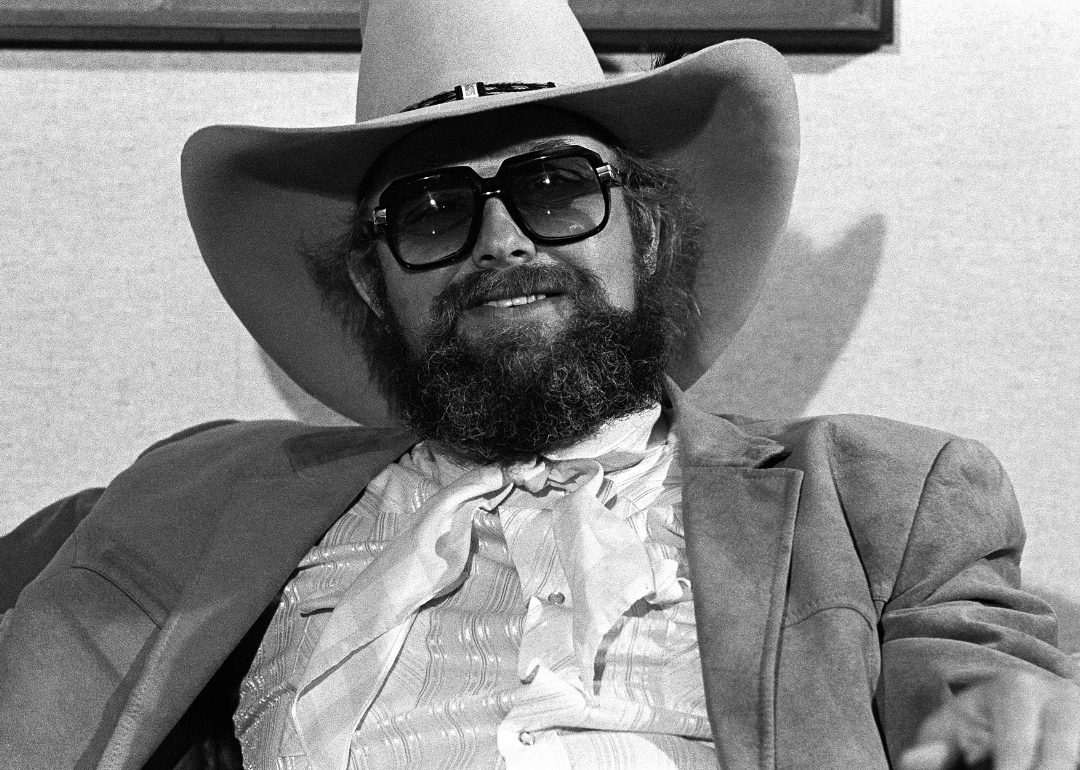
(473,90)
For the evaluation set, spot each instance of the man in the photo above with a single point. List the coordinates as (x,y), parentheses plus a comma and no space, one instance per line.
(562,562)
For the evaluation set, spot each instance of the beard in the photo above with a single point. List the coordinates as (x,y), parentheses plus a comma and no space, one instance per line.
(527,389)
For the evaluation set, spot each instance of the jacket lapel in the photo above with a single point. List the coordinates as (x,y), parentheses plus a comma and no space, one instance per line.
(267,523)
(739,519)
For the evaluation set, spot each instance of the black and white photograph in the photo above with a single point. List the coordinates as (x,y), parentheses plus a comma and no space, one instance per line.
(539,385)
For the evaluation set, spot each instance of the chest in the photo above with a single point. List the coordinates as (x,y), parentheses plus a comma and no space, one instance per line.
(523,645)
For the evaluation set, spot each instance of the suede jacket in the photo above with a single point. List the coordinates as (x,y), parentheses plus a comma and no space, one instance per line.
(850,574)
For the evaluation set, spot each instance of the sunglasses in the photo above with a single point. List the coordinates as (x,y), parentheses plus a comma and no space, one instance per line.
(433,218)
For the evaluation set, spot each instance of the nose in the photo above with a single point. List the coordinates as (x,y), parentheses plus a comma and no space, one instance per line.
(500,242)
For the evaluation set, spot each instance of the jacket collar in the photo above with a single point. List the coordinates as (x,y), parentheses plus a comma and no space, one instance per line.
(707,439)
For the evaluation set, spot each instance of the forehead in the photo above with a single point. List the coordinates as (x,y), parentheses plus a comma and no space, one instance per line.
(483,141)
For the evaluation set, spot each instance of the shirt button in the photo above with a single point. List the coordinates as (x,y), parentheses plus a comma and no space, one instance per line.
(526,738)
(556,598)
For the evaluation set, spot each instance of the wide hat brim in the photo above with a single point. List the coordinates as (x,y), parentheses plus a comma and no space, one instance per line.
(725,119)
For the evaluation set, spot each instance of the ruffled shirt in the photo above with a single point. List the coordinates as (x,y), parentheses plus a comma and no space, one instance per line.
(463,615)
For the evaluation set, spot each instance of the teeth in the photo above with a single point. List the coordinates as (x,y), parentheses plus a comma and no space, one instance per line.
(515,301)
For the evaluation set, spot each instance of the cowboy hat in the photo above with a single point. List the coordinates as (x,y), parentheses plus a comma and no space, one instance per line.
(725,119)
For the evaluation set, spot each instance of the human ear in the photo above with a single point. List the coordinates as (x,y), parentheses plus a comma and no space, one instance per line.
(362,284)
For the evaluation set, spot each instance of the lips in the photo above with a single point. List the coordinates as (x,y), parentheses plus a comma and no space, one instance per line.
(514,293)
(515,287)
(515,301)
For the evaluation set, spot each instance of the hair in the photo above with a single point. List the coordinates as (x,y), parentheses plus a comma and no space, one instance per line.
(664,227)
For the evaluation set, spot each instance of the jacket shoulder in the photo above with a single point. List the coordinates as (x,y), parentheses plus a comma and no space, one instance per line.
(279,484)
(222,440)
(853,439)
(896,487)
(877,465)
(267,447)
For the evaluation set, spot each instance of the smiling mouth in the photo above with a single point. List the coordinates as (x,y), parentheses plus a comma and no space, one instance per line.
(526,299)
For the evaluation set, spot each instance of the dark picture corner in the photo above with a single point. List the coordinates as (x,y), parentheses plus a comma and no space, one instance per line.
(613,26)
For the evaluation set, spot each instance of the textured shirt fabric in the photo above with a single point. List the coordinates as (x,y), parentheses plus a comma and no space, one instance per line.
(524,659)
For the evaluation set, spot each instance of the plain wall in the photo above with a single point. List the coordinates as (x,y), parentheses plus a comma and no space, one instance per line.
(929,273)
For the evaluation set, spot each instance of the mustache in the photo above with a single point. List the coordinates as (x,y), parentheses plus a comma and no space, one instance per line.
(549,278)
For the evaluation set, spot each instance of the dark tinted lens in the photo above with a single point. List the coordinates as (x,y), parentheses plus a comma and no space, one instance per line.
(559,197)
(429,219)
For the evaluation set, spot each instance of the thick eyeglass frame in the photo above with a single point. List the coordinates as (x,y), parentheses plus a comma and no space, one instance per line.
(494,187)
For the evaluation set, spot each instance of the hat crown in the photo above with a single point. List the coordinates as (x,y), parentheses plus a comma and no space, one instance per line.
(416,49)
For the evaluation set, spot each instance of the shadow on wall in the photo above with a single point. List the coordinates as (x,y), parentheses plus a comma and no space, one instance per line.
(809,308)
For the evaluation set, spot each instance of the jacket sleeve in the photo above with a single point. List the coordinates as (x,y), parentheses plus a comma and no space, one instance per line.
(76,641)
(26,550)
(957,614)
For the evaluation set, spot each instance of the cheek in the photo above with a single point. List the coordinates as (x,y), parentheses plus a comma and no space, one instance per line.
(410,294)
(612,258)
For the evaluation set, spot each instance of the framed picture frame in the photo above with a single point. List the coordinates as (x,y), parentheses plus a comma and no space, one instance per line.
(333,25)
